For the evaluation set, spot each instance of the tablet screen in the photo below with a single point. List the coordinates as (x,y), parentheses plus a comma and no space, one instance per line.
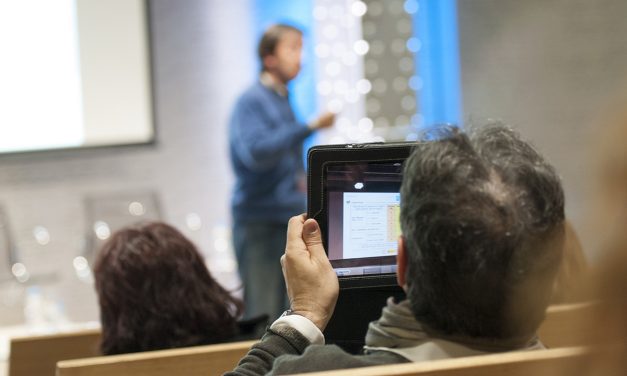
(363,206)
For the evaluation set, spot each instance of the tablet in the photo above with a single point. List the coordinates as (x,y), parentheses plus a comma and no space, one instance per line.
(353,193)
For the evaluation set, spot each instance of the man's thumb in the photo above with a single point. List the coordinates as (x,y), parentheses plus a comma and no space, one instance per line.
(313,237)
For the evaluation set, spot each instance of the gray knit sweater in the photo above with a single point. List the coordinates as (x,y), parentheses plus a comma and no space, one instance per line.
(285,351)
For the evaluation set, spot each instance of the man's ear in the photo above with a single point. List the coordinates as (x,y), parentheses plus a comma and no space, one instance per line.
(401,263)
(269,62)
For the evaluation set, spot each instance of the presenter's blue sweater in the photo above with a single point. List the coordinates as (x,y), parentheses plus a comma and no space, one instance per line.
(265,144)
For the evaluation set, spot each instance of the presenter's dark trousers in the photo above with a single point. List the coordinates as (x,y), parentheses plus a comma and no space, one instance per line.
(258,248)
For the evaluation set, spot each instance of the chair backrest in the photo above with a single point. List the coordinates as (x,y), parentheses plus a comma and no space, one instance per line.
(558,330)
(525,363)
(562,326)
(190,361)
(38,355)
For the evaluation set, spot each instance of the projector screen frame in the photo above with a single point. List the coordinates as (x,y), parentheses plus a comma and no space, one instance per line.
(150,143)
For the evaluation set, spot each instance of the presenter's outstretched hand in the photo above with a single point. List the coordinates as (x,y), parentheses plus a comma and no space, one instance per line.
(312,284)
(324,121)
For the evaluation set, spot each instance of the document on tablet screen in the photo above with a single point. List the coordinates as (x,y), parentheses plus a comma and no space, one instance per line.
(371,224)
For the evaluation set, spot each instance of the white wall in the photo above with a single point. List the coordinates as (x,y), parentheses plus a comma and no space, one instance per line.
(545,66)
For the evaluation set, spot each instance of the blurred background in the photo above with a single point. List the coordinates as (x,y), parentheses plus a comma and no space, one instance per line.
(114,111)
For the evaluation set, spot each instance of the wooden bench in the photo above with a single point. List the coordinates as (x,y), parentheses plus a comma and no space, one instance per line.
(558,330)
(563,327)
(190,361)
(554,362)
(38,355)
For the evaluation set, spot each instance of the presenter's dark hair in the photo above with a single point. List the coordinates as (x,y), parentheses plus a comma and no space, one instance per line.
(155,292)
(482,218)
(270,39)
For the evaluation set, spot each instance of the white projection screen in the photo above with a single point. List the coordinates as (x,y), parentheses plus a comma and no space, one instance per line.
(73,74)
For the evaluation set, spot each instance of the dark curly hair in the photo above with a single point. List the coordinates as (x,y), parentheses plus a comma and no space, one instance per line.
(482,216)
(155,292)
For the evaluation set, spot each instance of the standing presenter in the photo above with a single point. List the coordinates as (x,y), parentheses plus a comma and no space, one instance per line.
(265,142)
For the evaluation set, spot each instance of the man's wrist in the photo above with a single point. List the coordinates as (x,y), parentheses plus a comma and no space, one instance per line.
(315,319)
(303,324)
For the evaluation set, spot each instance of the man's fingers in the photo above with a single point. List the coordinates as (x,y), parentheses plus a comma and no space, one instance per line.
(283,269)
(313,238)
(295,230)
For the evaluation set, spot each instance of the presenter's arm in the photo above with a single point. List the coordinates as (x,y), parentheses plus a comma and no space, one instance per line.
(259,143)
(325,120)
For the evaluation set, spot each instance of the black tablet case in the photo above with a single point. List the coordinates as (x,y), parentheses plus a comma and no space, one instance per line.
(361,298)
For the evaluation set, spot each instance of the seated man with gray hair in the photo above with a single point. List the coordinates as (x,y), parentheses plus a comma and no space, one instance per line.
(482,220)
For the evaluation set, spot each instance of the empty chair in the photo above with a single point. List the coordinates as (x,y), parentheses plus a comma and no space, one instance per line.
(191,361)
(38,355)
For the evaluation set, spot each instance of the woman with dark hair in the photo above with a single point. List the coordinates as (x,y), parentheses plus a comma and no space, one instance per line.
(155,292)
